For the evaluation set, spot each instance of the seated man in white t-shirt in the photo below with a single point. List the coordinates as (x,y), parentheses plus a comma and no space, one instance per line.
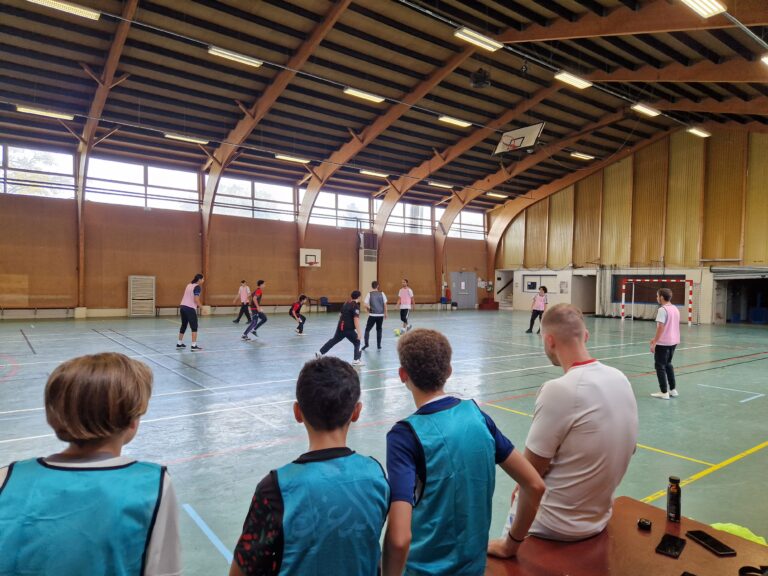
(583,435)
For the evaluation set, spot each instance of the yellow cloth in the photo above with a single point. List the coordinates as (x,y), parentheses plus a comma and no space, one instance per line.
(740,531)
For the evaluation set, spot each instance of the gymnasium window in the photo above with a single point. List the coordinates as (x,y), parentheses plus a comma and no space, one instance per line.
(128,184)
(340,210)
(468,224)
(31,172)
(408,218)
(251,199)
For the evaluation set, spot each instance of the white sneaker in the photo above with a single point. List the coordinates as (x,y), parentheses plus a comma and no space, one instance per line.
(661,395)
(358,363)
(408,329)
(673,393)
(318,355)
(244,337)
(300,334)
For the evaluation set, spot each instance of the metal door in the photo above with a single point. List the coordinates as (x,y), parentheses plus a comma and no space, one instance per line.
(464,289)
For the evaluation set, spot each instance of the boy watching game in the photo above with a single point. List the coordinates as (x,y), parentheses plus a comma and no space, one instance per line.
(322,513)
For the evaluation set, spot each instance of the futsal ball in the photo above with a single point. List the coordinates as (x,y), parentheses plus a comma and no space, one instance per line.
(398,331)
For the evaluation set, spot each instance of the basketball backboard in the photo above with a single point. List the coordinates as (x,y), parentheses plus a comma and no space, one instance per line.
(309,257)
(519,138)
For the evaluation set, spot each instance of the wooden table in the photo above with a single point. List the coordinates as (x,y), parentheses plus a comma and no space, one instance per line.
(623,550)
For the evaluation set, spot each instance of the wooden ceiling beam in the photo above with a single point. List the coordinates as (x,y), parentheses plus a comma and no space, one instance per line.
(735,70)
(513,207)
(353,146)
(397,188)
(748,126)
(104,83)
(480,187)
(651,18)
(757,106)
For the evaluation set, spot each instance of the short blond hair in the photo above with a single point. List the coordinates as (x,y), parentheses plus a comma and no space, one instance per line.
(94,397)
(564,322)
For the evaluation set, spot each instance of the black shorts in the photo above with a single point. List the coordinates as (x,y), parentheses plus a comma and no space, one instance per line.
(188,316)
(404,313)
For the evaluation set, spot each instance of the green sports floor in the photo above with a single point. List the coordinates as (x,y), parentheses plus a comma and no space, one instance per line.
(221,418)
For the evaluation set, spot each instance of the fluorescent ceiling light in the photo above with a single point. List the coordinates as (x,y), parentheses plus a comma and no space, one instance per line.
(440,185)
(41,112)
(478,39)
(765,59)
(374,173)
(645,109)
(183,138)
(706,8)
(700,132)
(456,121)
(582,156)
(573,80)
(496,195)
(69,8)
(364,95)
(291,159)
(236,57)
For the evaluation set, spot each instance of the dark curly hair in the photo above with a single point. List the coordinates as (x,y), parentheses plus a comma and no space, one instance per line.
(327,391)
(426,357)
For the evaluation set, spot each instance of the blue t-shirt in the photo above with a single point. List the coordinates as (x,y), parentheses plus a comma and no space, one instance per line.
(406,468)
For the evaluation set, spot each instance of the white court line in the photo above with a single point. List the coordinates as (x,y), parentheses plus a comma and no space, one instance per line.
(214,390)
(754,396)
(277,402)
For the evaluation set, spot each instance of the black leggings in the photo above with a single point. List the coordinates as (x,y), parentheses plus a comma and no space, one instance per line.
(188,316)
(350,335)
(404,314)
(377,321)
(302,320)
(665,372)
(243,311)
(258,319)
(535,314)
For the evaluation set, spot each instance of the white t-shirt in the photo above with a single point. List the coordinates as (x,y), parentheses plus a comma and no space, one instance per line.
(586,422)
(164,550)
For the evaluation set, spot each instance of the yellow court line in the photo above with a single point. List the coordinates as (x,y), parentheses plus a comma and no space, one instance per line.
(643,446)
(508,409)
(708,471)
(652,449)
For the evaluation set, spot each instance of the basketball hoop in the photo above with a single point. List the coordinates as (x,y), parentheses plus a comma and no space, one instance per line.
(514,143)
(312,265)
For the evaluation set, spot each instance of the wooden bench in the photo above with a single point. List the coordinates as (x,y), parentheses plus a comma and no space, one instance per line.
(624,550)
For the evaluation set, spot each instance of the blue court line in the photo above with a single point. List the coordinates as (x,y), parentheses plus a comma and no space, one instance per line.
(218,544)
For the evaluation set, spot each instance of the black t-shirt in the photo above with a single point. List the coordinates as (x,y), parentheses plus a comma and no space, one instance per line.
(349,311)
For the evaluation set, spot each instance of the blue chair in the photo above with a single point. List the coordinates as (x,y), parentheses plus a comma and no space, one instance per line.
(323,301)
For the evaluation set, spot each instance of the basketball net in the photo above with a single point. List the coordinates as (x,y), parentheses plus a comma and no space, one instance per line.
(514,143)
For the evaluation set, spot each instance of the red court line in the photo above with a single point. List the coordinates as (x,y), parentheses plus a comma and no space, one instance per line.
(700,364)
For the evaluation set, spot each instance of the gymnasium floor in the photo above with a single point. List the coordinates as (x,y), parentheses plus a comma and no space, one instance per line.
(221,418)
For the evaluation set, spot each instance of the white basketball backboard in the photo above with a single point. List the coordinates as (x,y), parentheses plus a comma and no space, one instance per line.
(519,138)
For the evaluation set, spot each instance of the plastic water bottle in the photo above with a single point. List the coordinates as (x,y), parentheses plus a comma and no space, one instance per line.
(674,492)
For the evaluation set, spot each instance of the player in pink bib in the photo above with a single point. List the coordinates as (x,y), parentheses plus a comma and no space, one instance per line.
(664,343)
(538,306)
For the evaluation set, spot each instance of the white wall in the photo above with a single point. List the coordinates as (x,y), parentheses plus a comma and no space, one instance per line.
(554,278)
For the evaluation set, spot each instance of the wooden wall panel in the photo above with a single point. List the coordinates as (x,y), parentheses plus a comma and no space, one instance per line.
(724,198)
(338,275)
(684,200)
(560,244)
(38,252)
(409,256)
(616,234)
(125,240)
(511,250)
(756,228)
(244,248)
(536,224)
(586,221)
(649,200)
(467,255)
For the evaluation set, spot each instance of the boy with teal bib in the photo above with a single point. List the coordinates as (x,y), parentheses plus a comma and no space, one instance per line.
(90,510)
(441,463)
(323,513)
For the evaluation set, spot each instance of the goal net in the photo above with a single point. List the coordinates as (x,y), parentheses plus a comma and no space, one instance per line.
(631,286)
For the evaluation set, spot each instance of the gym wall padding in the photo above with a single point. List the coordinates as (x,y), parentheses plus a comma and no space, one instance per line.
(617,214)
(409,256)
(512,249)
(587,221)
(649,199)
(536,224)
(756,231)
(560,241)
(724,195)
(687,156)
(38,243)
